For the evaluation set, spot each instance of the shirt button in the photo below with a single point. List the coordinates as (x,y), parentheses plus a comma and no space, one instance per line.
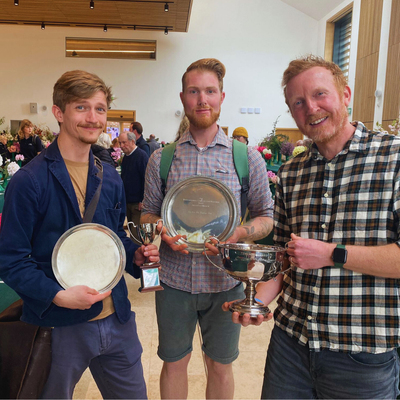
(326,195)
(323,226)
(330,165)
(309,317)
(314,289)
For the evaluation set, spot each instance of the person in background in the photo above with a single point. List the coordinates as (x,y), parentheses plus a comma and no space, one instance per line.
(153,144)
(43,200)
(183,127)
(3,150)
(194,290)
(101,149)
(133,169)
(137,129)
(30,144)
(241,135)
(337,208)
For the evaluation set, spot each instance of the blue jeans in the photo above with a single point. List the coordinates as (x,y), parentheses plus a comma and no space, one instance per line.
(110,349)
(292,371)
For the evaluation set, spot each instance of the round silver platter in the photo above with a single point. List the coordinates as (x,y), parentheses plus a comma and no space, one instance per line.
(199,207)
(91,255)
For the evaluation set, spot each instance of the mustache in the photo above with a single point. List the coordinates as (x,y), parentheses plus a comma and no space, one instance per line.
(90,126)
(316,118)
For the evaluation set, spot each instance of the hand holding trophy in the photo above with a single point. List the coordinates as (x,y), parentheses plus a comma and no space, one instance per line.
(148,233)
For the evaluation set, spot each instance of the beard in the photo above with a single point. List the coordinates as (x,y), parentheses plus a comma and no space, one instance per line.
(92,139)
(203,121)
(326,134)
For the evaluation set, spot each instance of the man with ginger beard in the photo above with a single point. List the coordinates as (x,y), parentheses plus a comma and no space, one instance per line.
(337,207)
(90,329)
(194,290)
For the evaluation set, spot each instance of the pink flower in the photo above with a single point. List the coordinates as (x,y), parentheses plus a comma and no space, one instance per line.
(19,157)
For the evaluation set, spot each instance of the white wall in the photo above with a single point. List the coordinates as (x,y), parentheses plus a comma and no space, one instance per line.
(255,39)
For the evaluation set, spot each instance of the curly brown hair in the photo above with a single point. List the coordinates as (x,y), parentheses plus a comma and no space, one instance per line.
(210,65)
(309,61)
(76,85)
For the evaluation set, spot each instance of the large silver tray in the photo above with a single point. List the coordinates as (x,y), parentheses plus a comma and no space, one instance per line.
(198,207)
(91,255)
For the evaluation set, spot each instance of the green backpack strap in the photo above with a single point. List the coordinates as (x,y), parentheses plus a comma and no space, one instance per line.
(167,155)
(241,161)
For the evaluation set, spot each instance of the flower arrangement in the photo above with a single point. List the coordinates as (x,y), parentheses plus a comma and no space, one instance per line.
(394,127)
(117,155)
(271,177)
(299,149)
(12,168)
(44,133)
(265,152)
(8,169)
(287,149)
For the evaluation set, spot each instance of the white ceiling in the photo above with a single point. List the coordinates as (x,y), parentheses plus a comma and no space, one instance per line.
(316,9)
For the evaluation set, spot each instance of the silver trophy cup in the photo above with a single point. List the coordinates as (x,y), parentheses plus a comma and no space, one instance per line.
(249,263)
(148,233)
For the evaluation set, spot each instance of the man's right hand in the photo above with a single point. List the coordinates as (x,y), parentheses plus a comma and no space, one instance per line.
(245,320)
(79,297)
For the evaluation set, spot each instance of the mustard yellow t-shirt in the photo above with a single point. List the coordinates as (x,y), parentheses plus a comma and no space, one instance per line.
(78,172)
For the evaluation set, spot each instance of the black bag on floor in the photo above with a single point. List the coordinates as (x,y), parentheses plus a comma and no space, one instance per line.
(25,355)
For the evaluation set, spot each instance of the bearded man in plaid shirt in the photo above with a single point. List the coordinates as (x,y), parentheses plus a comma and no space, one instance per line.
(337,207)
(194,290)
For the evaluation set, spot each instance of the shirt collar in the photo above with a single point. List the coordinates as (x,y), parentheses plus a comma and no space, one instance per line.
(220,138)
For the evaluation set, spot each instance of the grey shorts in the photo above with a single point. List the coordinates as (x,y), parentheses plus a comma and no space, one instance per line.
(177,316)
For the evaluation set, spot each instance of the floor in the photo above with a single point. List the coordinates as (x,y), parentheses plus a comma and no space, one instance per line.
(248,368)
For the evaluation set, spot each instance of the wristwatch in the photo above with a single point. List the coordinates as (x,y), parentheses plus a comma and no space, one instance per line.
(339,256)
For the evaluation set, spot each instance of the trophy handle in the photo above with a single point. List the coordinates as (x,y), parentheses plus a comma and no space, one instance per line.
(132,236)
(205,252)
(162,225)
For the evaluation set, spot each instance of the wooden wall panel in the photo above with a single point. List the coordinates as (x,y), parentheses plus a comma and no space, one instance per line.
(370,27)
(391,101)
(365,86)
(294,134)
(367,60)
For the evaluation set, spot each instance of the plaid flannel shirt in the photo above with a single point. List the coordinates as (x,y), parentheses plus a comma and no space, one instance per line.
(194,273)
(352,199)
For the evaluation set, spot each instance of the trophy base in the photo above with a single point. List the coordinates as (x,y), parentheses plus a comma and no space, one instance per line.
(252,309)
(150,278)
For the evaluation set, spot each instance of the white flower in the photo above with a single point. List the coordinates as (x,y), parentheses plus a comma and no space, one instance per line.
(12,168)
(1,160)
(267,151)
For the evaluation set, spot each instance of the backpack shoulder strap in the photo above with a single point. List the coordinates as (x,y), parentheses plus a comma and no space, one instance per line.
(167,155)
(241,161)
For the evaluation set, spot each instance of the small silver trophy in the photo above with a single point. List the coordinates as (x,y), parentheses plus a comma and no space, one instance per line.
(148,233)
(249,263)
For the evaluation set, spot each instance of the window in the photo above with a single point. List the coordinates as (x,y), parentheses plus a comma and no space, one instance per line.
(341,43)
(111,48)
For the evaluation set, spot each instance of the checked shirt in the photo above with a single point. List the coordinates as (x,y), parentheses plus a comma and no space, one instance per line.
(193,272)
(352,199)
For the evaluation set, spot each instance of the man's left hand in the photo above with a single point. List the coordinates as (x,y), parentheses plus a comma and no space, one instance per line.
(149,252)
(309,253)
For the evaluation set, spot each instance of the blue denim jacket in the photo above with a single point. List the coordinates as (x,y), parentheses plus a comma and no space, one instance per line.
(40,205)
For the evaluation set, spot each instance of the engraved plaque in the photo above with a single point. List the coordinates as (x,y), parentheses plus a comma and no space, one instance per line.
(199,207)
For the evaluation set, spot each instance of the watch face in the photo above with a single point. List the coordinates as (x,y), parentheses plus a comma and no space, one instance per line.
(340,255)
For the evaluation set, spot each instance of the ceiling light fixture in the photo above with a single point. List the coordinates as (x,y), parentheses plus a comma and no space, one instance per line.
(16,2)
(105,28)
(43,26)
(166,31)
(91,4)
(166,7)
